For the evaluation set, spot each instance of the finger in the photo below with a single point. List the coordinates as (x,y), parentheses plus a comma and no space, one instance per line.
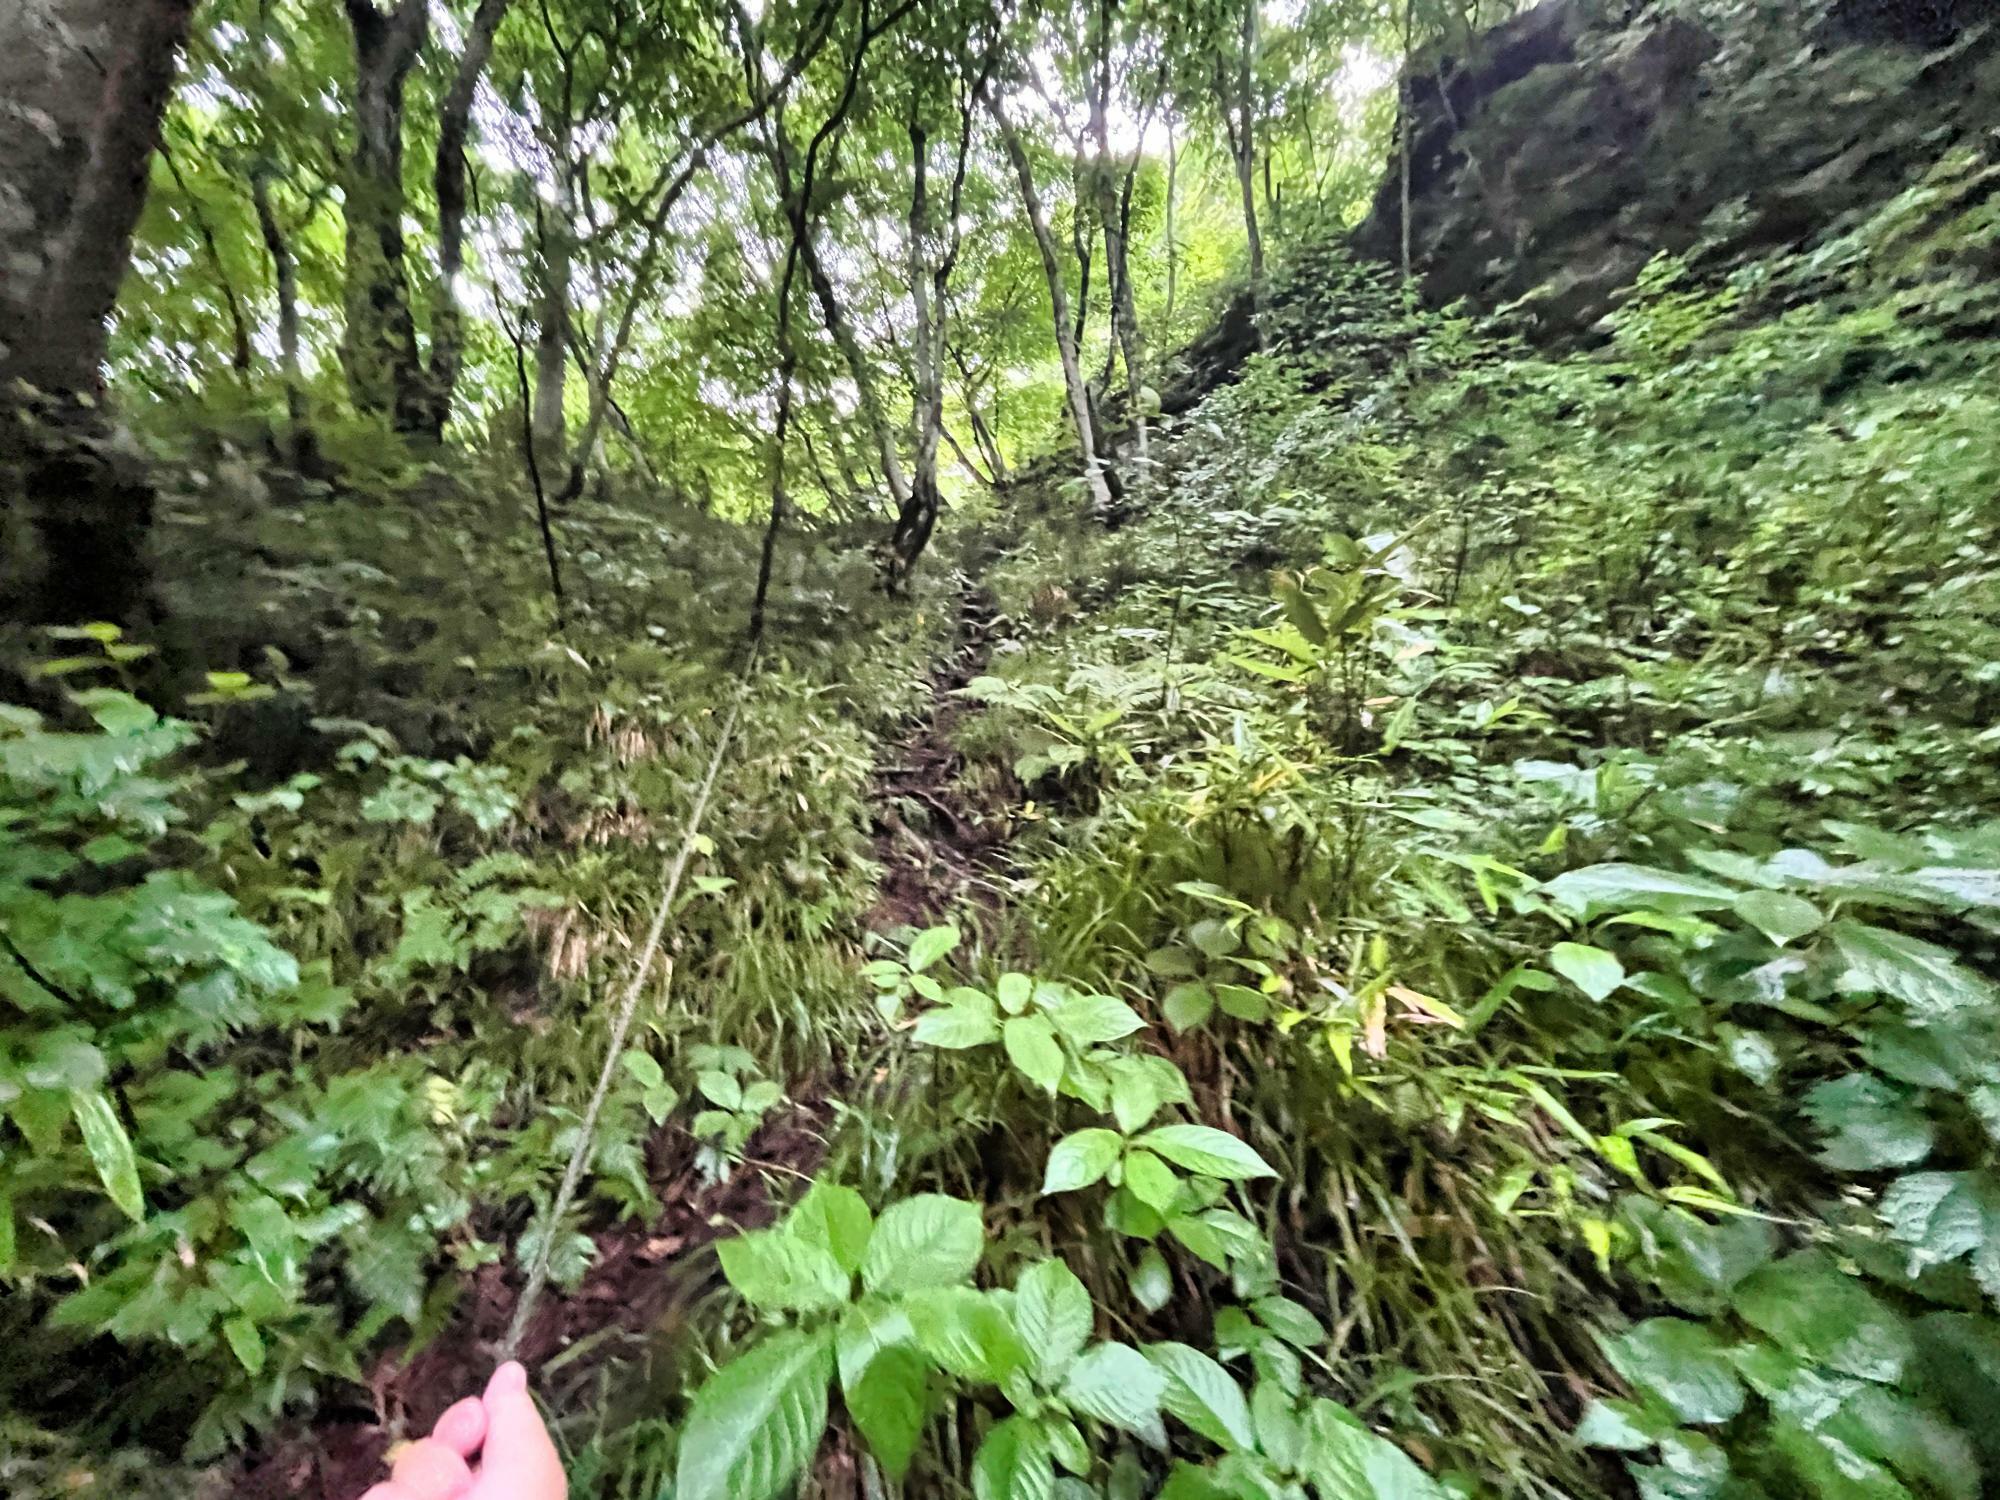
(429,1470)
(519,1461)
(463,1426)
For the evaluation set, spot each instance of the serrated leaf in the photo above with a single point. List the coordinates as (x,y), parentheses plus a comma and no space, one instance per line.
(1203,1395)
(836,1219)
(1868,1124)
(110,1150)
(1079,1159)
(1014,1463)
(1118,1386)
(756,1422)
(1032,1047)
(1940,1216)
(1683,1364)
(1815,1310)
(1623,1426)
(970,1022)
(1593,970)
(930,945)
(1202,1148)
(777,1272)
(967,1332)
(1052,1314)
(929,1240)
(1087,1020)
(1922,975)
(888,1404)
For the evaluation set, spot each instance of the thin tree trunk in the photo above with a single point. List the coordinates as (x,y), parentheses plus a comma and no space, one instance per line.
(1173,242)
(1245,146)
(860,370)
(284,271)
(1113,212)
(1079,399)
(239,326)
(552,345)
(431,406)
(379,347)
(1403,102)
(83,87)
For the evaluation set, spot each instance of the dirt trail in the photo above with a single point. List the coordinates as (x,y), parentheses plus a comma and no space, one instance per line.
(934,842)
(935,837)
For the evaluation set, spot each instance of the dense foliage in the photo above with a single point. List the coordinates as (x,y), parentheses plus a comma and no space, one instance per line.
(1406,912)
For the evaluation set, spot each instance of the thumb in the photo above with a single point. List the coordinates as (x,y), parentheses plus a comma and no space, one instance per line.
(518,1461)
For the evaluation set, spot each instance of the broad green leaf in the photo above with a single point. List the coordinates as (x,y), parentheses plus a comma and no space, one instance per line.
(1593,970)
(1289,1321)
(970,1022)
(930,945)
(888,1404)
(1014,992)
(1150,1282)
(928,1240)
(1116,1385)
(1203,1395)
(836,1219)
(865,1330)
(1596,889)
(1279,1431)
(1922,975)
(778,1272)
(1346,1460)
(720,1089)
(1151,1180)
(967,1332)
(110,1150)
(1187,1006)
(1683,1364)
(1140,1085)
(1940,1216)
(1817,1311)
(1032,1047)
(1087,1020)
(245,1342)
(1079,1159)
(1624,1426)
(756,1422)
(1201,1148)
(1014,1463)
(1052,1314)
(1779,915)
(1868,1124)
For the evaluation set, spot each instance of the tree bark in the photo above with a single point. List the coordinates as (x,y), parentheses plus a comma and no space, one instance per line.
(552,345)
(83,87)
(379,346)
(431,406)
(1244,144)
(284,271)
(1072,368)
(918,513)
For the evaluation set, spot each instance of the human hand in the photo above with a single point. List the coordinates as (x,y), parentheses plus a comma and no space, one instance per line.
(502,1431)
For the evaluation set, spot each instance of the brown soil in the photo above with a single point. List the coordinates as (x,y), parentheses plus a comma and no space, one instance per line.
(934,839)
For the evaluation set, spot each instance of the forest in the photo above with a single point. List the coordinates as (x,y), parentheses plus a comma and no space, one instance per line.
(1000,749)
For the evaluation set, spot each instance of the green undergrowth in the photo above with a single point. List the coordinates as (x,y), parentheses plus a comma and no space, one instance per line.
(1492,989)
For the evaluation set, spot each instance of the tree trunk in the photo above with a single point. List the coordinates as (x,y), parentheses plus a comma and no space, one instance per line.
(552,347)
(379,347)
(917,516)
(431,406)
(284,271)
(1173,244)
(1113,213)
(83,85)
(1079,398)
(1245,148)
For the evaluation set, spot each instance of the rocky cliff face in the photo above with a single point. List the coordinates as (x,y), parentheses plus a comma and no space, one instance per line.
(1568,147)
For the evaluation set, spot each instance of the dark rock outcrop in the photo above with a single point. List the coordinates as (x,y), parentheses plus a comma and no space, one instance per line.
(1582,138)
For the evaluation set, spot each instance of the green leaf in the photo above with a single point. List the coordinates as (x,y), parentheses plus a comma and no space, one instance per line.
(720,1089)
(1940,1216)
(1014,1463)
(969,1022)
(1032,1047)
(756,1422)
(865,1330)
(1624,1426)
(1014,992)
(1187,1006)
(1779,915)
(245,1342)
(1087,1020)
(1078,1160)
(1052,1314)
(1140,1085)
(1242,1002)
(1682,1363)
(777,1272)
(1201,1148)
(1811,1307)
(110,1150)
(1118,1386)
(928,1240)
(1289,1321)
(1592,970)
(927,947)
(1203,1395)
(967,1333)
(116,712)
(836,1219)
(1921,975)
(1151,1180)
(1617,887)
(1869,1124)
(888,1404)
(1150,1282)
